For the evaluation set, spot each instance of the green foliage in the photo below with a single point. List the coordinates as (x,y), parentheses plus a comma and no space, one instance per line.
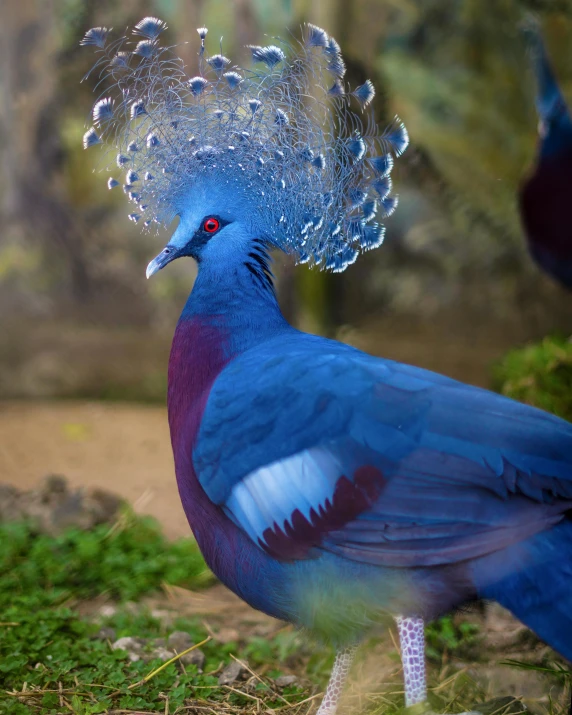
(42,576)
(461,78)
(124,562)
(278,650)
(95,678)
(539,374)
(46,644)
(445,635)
(53,660)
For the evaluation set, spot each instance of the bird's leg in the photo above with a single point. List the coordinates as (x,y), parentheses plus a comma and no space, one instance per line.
(342,665)
(412,644)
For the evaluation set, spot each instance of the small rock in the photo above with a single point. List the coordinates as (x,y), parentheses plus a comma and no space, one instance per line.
(503,706)
(54,485)
(103,506)
(231,673)
(284,680)
(161,653)
(133,646)
(179,641)
(71,511)
(105,634)
(107,610)
(52,506)
(9,502)
(195,657)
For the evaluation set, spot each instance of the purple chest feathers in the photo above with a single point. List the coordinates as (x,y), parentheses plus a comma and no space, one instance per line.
(198,355)
(200,351)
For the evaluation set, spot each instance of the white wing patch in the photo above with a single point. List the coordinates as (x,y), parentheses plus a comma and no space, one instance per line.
(269,495)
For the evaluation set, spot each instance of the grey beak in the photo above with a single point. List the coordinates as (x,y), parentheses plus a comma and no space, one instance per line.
(166,256)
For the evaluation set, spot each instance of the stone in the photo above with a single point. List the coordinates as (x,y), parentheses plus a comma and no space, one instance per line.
(52,506)
(161,653)
(179,641)
(231,673)
(9,503)
(133,646)
(103,506)
(54,486)
(195,657)
(105,634)
(107,610)
(283,681)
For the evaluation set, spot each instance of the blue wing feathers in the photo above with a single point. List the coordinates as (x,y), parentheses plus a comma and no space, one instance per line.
(540,595)
(455,471)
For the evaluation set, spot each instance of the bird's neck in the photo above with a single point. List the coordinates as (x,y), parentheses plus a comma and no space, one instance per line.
(557,144)
(227,313)
(235,306)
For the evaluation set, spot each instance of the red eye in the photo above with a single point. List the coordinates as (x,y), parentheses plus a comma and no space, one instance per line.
(211,225)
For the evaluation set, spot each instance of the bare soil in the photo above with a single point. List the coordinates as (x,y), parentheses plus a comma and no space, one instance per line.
(123,448)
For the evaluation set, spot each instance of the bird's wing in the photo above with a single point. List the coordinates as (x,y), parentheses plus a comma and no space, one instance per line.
(307,443)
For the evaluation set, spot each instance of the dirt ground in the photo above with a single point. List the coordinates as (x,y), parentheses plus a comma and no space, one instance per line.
(123,448)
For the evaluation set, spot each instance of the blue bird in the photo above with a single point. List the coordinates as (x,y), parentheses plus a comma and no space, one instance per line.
(545,195)
(324,486)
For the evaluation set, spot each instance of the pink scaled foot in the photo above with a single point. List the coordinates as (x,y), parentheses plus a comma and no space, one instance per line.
(342,665)
(412,643)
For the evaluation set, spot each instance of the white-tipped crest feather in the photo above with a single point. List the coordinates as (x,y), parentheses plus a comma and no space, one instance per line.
(283,130)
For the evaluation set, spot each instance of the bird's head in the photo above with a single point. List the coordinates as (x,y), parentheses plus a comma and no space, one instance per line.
(278,153)
(554,121)
(217,225)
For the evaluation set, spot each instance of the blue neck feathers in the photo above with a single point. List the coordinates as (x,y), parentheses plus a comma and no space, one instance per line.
(239,299)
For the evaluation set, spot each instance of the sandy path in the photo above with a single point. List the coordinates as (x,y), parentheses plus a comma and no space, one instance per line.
(123,448)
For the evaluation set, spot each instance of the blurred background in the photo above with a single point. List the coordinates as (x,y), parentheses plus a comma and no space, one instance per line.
(452,289)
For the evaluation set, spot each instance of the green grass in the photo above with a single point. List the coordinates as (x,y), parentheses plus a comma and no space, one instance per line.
(50,658)
(54,660)
(445,635)
(125,562)
(539,374)
(92,678)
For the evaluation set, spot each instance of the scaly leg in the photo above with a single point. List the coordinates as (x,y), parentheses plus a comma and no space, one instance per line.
(342,665)
(412,644)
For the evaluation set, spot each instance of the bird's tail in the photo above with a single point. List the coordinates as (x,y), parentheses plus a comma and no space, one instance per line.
(540,593)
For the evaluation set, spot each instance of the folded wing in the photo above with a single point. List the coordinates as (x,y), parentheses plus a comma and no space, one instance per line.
(327,449)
